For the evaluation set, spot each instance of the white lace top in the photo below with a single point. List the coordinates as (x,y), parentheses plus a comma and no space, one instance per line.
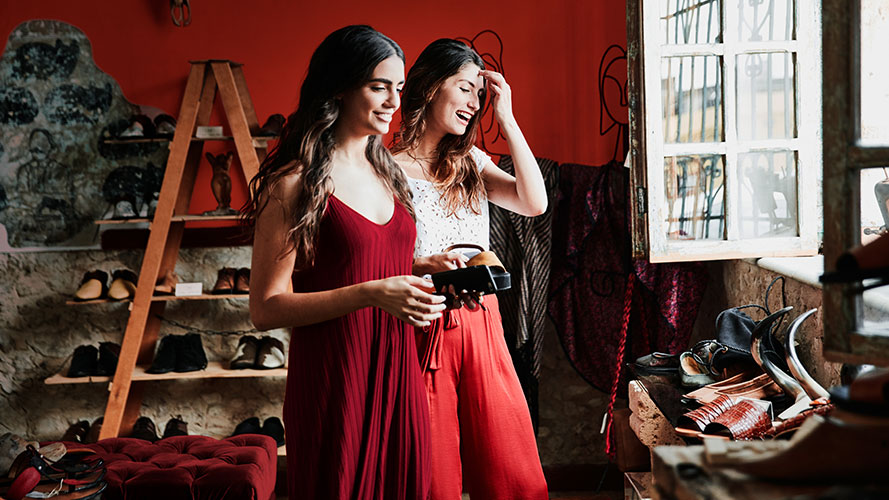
(435,230)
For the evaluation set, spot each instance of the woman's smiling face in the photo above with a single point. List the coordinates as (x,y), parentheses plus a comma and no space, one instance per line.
(369,108)
(456,101)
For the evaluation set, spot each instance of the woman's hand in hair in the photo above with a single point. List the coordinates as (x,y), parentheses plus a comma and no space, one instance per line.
(439,262)
(408,298)
(501,97)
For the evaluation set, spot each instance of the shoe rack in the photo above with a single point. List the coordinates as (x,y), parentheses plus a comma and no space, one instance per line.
(206,80)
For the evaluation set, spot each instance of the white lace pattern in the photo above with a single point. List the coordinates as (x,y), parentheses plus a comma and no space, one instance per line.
(435,230)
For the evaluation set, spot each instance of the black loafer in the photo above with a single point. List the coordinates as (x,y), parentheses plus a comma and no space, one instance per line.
(273,428)
(248,426)
(84,362)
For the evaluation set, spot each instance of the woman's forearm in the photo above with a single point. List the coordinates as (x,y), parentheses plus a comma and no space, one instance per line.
(285,310)
(530,190)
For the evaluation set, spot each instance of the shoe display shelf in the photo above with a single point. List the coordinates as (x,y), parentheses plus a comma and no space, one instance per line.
(160,298)
(215,369)
(206,80)
(260,141)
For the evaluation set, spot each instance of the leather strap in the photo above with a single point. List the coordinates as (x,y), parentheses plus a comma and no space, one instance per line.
(485,259)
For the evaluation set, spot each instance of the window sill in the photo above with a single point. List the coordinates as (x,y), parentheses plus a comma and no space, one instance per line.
(808,269)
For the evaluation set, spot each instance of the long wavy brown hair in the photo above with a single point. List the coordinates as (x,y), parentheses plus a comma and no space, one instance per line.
(344,61)
(454,173)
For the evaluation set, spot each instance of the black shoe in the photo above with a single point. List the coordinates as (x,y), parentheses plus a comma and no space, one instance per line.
(249,426)
(84,362)
(273,428)
(191,356)
(245,355)
(165,359)
(176,427)
(109,353)
(270,354)
(144,429)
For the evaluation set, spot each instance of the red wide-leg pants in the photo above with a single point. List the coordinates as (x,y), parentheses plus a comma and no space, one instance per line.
(477,410)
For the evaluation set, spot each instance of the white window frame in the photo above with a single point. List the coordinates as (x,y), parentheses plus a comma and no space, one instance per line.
(648,148)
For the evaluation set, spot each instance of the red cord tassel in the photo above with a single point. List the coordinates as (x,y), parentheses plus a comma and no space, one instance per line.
(621,347)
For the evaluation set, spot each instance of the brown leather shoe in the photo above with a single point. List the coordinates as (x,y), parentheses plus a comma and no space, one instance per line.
(225,281)
(176,427)
(166,284)
(242,280)
(144,429)
(745,419)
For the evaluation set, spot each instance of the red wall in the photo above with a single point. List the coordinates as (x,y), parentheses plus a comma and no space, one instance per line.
(551,51)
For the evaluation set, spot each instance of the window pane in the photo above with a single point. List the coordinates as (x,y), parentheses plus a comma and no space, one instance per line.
(874,222)
(767,198)
(691,87)
(695,21)
(874,202)
(874,72)
(765,20)
(695,194)
(765,96)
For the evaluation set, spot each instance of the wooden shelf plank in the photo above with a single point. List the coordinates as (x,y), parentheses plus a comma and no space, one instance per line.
(161,298)
(175,218)
(215,369)
(206,296)
(136,140)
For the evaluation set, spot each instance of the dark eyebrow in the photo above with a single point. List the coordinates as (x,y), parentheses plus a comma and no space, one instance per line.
(384,81)
(467,81)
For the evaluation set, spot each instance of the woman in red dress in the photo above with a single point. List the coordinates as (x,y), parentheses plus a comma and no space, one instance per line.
(476,404)
(332,253)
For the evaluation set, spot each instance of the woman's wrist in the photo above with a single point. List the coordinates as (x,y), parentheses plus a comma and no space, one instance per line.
(509,126)
(420,266)
(366,294)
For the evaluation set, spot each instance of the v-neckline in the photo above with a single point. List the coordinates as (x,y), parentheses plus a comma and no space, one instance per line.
(384,224)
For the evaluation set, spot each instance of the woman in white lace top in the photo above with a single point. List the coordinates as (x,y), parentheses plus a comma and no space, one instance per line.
(475,400)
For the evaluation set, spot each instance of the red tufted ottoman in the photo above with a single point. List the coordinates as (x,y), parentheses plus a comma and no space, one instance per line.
(190,467)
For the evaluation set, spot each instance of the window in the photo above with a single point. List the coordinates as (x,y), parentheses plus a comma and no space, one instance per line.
(725,127)
(856,187)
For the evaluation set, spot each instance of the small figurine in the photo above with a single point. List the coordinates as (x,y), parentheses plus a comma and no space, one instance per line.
(221,184)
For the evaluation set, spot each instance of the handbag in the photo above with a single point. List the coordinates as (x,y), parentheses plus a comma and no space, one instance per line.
(734,329)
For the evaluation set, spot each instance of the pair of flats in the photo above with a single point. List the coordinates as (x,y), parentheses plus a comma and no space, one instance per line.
(271,427)
(263,353)
(94,285)
(179,353)
(91,362)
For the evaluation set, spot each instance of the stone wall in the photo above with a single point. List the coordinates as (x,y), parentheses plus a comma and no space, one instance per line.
(38,333)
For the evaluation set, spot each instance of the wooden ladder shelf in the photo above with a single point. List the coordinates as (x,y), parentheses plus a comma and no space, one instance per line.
(168,225)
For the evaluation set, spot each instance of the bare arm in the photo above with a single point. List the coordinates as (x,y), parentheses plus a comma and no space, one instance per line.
(524,194)
(273,304)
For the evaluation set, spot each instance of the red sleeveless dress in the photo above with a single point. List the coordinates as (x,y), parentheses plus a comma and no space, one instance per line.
(355,409)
